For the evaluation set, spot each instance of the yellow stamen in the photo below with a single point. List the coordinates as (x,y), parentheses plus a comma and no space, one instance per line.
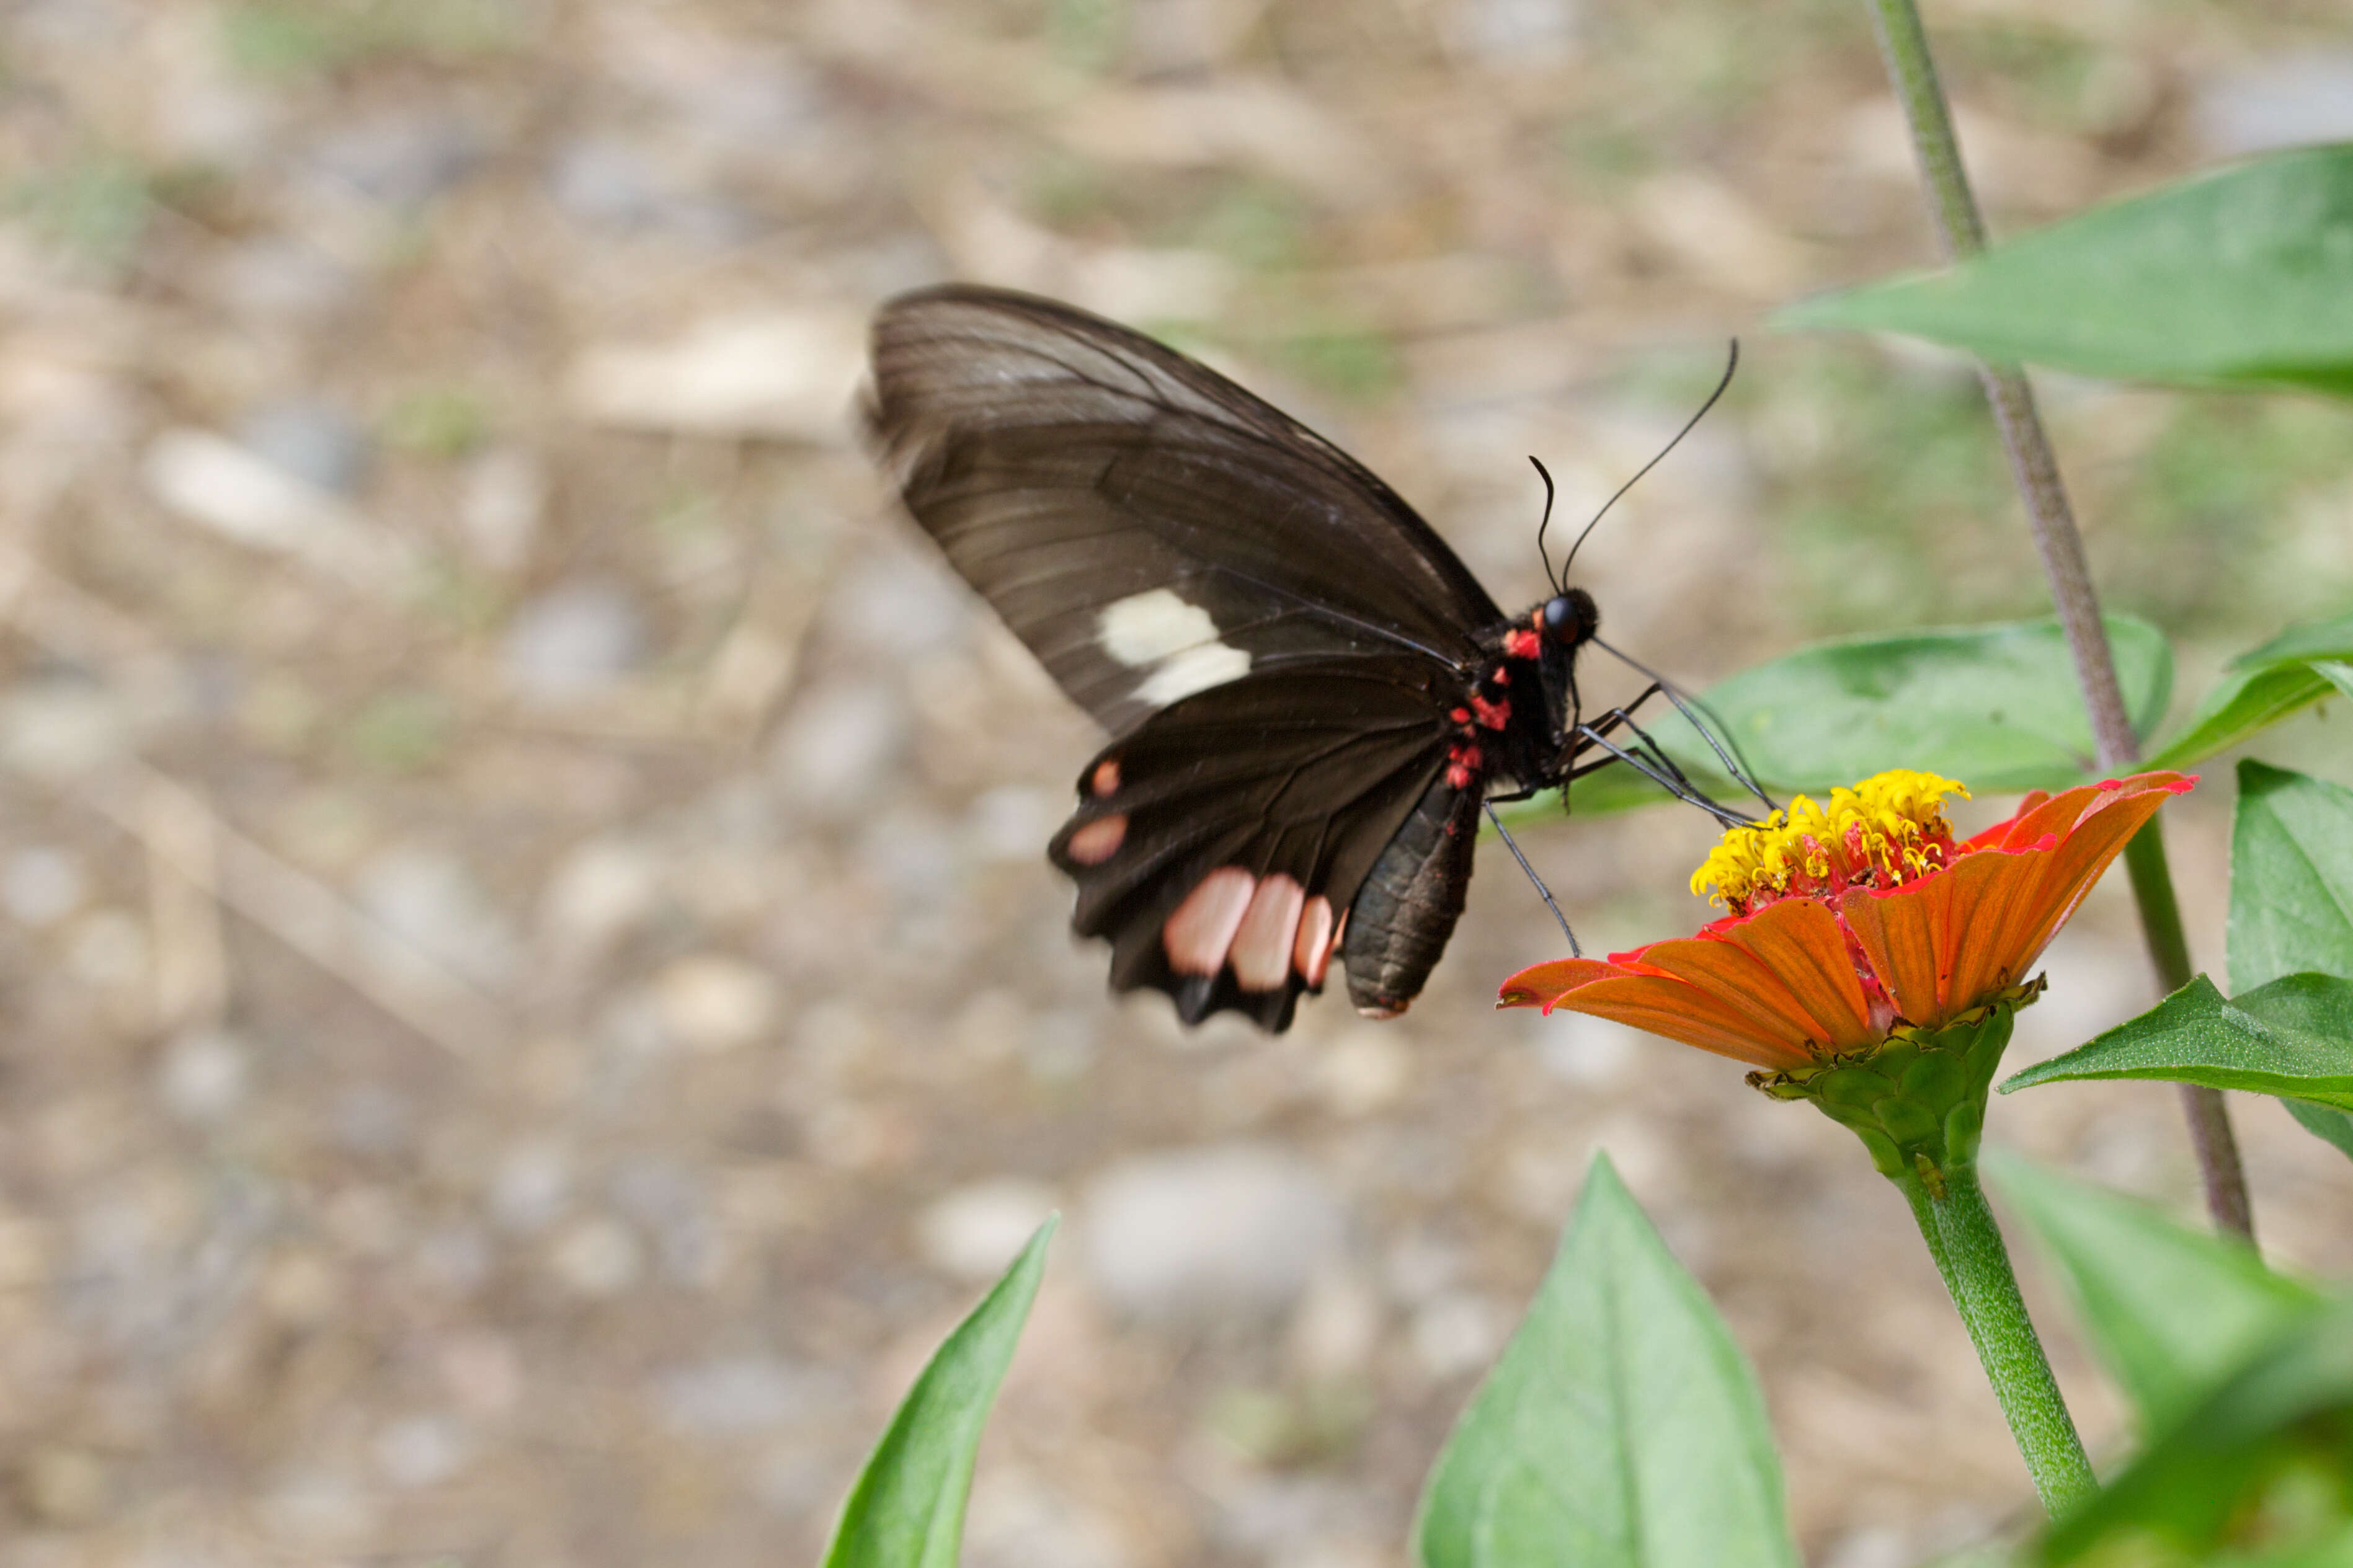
(1890,826)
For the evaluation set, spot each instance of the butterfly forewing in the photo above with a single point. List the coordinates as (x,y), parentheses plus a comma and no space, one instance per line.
(1148,528)
(1280,646)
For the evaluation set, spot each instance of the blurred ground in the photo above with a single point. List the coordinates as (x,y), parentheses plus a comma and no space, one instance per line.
(532,990)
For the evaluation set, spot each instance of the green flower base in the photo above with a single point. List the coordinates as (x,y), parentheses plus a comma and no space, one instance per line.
(1918,1100)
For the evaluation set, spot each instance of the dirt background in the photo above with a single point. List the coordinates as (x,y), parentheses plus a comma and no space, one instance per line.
(532,994)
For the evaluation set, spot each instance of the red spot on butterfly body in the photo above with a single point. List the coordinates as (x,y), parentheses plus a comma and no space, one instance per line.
(1520,642)
(1491,715)
(1106,777)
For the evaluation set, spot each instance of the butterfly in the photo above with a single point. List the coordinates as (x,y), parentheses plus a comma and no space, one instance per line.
(1310,698)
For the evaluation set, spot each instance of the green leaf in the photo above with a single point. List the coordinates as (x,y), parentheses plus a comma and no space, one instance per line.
(2277,680)
(2241,277)
(2293,1038)
(2290,877)
(1622,1429)
(1996,707)
(906,1509)
(2324,1122)
(2169,1310)
(2263,1465)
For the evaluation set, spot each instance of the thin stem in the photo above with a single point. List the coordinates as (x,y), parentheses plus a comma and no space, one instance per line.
(1967,1246)
(2168,950)
(1960,232)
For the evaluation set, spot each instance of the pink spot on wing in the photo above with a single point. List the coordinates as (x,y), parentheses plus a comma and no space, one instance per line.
(1262,950)
(1098,841)
(1311,949)
(1201,931)
(1106,777)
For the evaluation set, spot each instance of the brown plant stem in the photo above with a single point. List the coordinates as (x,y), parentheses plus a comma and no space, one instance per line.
(1960,232)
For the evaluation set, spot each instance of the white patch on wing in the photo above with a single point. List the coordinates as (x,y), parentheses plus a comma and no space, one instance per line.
(1176,641)
(1195,670)
(1144,628)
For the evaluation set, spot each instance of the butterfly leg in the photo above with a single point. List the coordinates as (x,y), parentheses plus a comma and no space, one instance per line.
(1647,758)
(1726,749)
(1542,892)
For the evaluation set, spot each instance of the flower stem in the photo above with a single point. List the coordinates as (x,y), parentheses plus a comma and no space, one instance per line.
(1968,1247)
(1960,232)
(2168,950)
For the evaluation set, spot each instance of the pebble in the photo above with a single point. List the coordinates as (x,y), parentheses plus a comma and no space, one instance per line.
(787,374)
(63,1486)
(973,1232)
(572,642)
(715,1002)
(598,891)
(1458,1333)
(1012,822)
(2287,100)
(316,443)
(529,1187)
(241,495)
(1591,1053)
(597,1256)
(421,1451)
(204,1075)
(1367,1069)
(428,902)
(283,279)
(58,729)
(502,501)
(1209,1232)
(400,160)
(1515,35)
(837,744)
(41,885)
(728,1396)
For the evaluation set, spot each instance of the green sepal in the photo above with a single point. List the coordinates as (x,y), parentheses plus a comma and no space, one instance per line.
(1918,1100)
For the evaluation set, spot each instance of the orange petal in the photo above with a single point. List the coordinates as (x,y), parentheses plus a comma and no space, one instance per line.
(1998,901)
(1907,934)
(2098,839)
(1544,985)
(1662,1005)
(1743,983)
(1800,941)
(1646,1000)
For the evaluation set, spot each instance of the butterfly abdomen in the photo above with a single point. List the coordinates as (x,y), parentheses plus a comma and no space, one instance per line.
(1400,919)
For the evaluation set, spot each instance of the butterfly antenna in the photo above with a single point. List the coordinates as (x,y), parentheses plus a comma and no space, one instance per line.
(1731,364)
(1545,474)
(1542,892)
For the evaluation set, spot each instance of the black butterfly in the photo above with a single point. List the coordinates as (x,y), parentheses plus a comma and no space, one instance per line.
(1310,696)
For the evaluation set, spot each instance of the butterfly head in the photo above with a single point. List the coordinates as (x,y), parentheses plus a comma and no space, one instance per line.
(1568,619)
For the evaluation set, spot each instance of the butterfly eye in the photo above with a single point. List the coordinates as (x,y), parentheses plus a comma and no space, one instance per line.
(1570,619)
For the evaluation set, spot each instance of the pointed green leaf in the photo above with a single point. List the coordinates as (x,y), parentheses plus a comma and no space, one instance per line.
(2292,893)
(2290,877)
(2293,1038)
(2276,681)
(2324,1122)
(1996,707)
(1622,1429)
(2167,1310)
(2242,277)
(2266,1454)
(906,1509)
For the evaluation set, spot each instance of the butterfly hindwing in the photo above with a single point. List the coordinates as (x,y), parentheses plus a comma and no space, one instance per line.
(1220,846)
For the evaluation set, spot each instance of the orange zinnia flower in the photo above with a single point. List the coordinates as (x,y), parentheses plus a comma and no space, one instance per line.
(1849,921)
